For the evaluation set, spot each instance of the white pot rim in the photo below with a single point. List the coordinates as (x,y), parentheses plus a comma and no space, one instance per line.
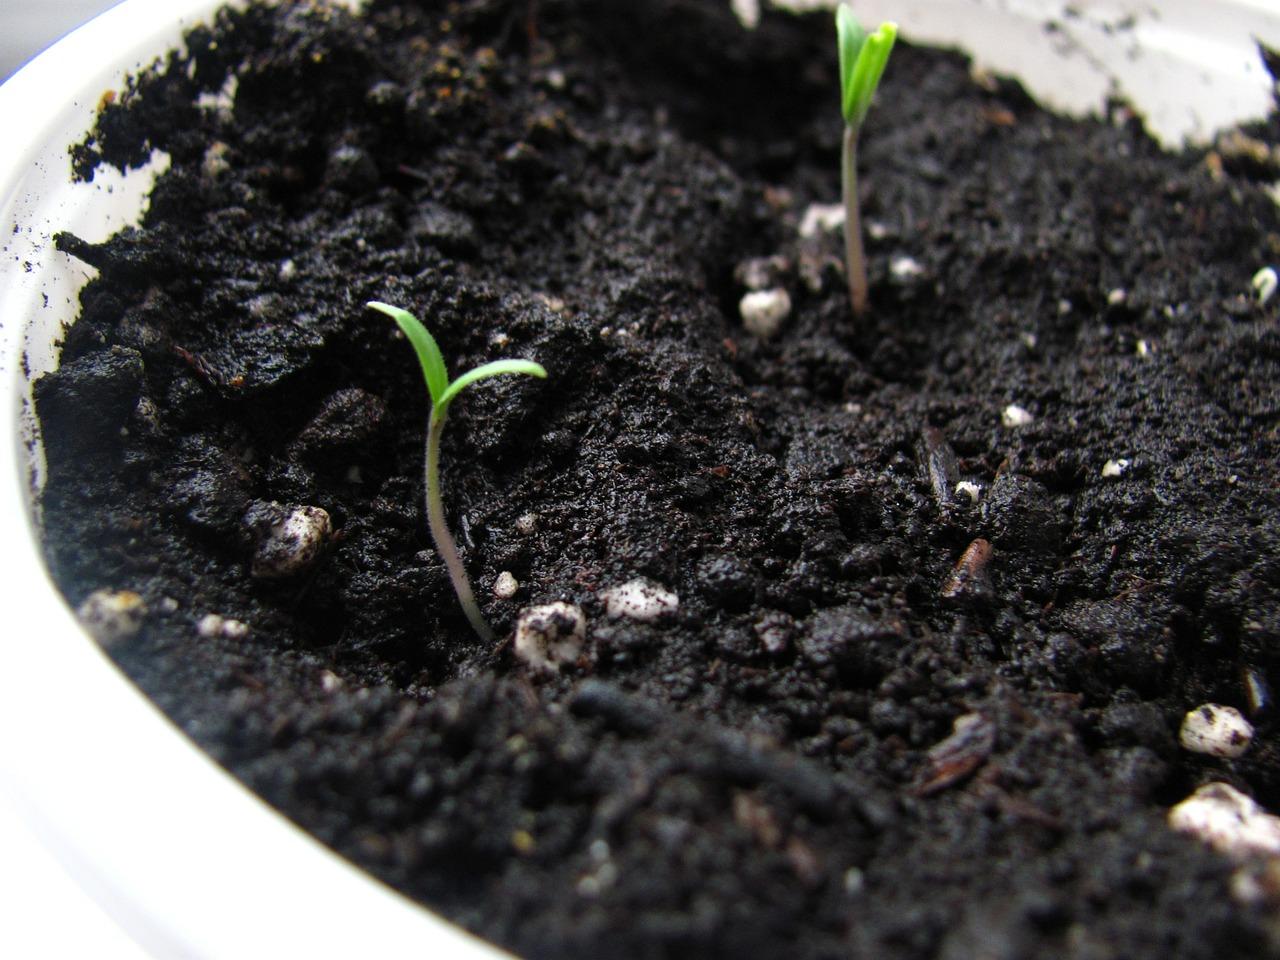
(188,861)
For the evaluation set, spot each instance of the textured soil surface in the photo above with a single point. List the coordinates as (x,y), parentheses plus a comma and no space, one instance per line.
(770,769)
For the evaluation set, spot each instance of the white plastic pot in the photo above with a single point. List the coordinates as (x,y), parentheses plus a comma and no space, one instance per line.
(186,860)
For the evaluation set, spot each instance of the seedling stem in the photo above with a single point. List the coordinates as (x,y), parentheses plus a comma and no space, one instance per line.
(442,393)
(855,262)
(863,58)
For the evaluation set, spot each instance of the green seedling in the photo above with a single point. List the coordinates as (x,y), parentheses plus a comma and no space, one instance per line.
(442,392)
(862,61)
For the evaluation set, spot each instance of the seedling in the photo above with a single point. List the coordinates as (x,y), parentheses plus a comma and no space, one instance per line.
(442,392)
(862,61)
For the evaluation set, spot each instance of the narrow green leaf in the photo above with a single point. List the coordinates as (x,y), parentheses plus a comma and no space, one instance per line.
(424,344)
(850,38)
(870,67)
(492,369)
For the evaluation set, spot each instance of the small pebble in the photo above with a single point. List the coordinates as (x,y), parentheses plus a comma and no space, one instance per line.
(969,489)
(1117,297)
(747,11)
(764,310)
(1264,284)
(1016,416)
(527,524)
(821,218)
(1215,730)
(1114,468)
(505,586)
(1144,348)
(905,268)
(213,625)
(550,635)
(330,682)
(1229,821)
(112,616)
(639,600)
(290,543)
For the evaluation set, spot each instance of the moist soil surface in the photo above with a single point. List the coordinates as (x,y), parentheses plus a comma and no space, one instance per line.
(775,767)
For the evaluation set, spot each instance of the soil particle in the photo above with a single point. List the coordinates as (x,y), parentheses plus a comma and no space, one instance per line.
(112,616)
(1216,730)
(639,600)
(550,635)
(290,539)
(970,579)
(763,311)
(91,399)
(1230,821)
(837,742)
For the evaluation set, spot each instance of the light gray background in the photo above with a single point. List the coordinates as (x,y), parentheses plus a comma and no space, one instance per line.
(28,26)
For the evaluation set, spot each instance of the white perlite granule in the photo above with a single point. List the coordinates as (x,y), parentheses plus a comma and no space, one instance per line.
(1216,730)
(639,600)
(1016,416)
(292,544)
(550,635)
(213,625)
(821,218)
(1264,284)
(905,268)
(764,310)
(112,616)
(1227,820)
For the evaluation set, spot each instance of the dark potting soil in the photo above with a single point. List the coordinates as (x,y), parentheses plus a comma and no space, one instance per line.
(757,774)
